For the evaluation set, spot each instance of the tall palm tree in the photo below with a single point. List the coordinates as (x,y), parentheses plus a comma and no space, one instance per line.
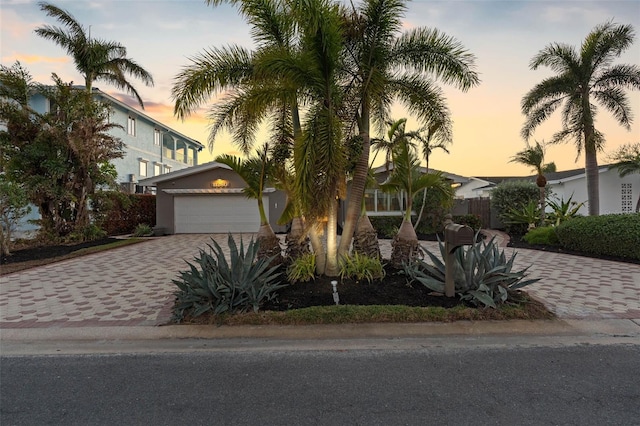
(533,156)
(627,161)
(584,77)
(387,65)
(95,59)
(406,176)
(254,171)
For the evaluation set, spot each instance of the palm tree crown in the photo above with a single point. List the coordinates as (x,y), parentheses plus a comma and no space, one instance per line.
(95,59)
(582,78)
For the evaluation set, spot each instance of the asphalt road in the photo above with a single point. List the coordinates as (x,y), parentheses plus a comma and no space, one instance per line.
(576,385)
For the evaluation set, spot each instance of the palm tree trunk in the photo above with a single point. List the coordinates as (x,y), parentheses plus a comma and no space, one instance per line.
(542,206)
(332,268)
(358,185)
(269,242)
(593,190)
(297,242)
(405,245)
(318,249)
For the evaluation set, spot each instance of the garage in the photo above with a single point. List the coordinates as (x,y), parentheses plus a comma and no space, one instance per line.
(209,199)
(219,213)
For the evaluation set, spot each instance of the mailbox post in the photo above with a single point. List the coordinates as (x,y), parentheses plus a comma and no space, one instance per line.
(455,236)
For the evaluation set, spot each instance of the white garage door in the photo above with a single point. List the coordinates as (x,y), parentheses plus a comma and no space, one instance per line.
(211,214)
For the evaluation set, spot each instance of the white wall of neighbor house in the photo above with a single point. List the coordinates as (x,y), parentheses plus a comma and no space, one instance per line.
(617,195)
(471,189)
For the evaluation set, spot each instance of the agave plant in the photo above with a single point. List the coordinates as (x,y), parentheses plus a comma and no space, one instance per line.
(482,273)
(214,285)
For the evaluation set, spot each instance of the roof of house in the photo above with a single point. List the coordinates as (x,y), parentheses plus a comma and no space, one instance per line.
(125,106)
(551,177)
(183,172)
(451,176)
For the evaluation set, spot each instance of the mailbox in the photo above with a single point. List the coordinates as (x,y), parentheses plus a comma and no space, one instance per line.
(454,236)
(458,235)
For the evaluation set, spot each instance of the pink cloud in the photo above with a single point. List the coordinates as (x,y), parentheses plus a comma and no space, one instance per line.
(34,59)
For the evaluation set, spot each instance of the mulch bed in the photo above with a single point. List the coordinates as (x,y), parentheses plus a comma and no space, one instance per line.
(393,289)
(48,252)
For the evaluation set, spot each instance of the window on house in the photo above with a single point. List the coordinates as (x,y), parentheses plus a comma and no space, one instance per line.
(131,126)
(627,198)
(167,169)
(156,137)
(143,168)
(157,169)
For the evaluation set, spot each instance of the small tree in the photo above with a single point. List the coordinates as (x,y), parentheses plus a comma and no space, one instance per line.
(533,156)
(14,205)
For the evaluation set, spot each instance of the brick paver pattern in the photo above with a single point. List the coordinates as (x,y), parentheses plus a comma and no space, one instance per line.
(132,285)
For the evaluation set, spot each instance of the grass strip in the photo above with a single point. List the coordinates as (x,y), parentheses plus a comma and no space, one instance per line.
(355,314)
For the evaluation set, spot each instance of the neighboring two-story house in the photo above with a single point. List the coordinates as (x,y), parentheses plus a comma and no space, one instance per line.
(150,148)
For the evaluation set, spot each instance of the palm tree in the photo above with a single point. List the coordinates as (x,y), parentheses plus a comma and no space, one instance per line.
(434,135)
(254,171)
(627,161)
(386,65)
(533,156)
(95,59)
(582,78)
(406,176)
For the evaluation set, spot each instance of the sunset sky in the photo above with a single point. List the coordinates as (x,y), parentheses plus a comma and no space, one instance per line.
(504,36)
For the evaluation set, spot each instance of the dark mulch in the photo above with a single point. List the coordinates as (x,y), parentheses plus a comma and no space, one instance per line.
(393,289)
(40,252)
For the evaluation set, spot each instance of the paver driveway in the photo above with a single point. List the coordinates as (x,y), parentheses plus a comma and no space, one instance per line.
(132,285)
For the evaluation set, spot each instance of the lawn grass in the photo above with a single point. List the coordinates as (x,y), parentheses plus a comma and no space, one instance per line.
(528,308)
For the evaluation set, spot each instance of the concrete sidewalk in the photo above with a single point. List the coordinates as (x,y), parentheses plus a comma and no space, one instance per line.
(131,286)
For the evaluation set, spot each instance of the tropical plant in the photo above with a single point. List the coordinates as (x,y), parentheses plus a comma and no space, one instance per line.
(213,284)
(361,267)
(406,177)
(302,269)
(59,155)
(533,156)
(95,59)
(563,210)
(385,64)
(627,161)
(529,214)
(482,273)
(582,79)
(255,173)
(142,230)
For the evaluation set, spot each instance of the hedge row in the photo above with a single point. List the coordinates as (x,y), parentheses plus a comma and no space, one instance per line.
(387,226)
(119,213)
(609,235)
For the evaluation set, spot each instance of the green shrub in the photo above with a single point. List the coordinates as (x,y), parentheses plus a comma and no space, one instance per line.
(543,235)
(529,215)
(143,230)
(437,206)
(513,195)
(482,273)
(609,235)
(214,285)
(302,269)
(470,220)
(89,233)
(360,267)
(386,226)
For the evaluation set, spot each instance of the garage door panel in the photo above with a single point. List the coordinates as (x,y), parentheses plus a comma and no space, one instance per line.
(216,213)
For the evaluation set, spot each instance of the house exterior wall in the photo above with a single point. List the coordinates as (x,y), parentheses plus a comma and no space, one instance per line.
(470,189)
(610,185)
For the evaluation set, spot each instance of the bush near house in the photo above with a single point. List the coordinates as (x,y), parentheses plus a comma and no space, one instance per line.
(545,235)
(387,226)
(609,235)
(513,195)
(118,213)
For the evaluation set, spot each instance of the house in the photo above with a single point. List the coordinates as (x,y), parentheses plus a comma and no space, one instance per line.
(380,203)
(617,194)
(150,147)
(208,198)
